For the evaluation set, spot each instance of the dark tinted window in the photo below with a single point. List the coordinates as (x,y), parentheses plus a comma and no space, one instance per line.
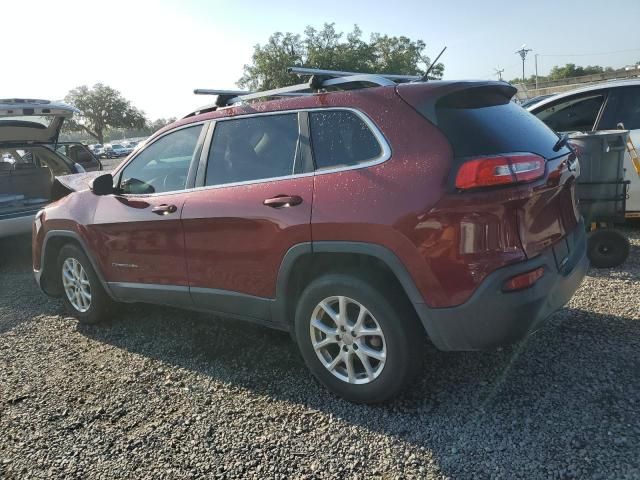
(253,148)
(162,166)
(499,127)
(341,138)
(623,106)
(571,115)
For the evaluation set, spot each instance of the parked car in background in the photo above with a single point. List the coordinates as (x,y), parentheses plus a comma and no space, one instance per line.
(80,154)
(116,150)
(604,106)
(28,162)
(97,149)
(360,221)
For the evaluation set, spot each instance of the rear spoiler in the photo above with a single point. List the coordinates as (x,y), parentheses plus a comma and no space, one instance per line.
(427,97)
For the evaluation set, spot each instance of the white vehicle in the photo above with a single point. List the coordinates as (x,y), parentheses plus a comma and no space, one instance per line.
(28,161)
(605,106)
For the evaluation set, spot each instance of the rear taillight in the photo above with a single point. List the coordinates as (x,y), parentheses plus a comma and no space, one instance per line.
(524,280)
(500,170)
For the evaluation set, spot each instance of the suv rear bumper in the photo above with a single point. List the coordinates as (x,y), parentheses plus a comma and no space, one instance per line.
(492,318)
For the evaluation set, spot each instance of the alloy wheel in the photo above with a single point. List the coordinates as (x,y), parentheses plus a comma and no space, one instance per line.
(76,284)
(348,340)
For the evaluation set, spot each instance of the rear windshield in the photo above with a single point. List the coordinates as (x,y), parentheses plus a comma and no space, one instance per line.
(502,127)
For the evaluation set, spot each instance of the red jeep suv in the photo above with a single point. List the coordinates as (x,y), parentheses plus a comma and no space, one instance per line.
(360,220)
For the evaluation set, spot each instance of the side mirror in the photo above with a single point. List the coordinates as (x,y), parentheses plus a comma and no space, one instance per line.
(102,185)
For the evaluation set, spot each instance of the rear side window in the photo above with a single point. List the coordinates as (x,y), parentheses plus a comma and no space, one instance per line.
(479,126)
(341,138)
(623,106)
(253,148)
(572,115)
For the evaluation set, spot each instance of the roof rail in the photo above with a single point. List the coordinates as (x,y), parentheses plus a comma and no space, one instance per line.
(336,73)
(319,80)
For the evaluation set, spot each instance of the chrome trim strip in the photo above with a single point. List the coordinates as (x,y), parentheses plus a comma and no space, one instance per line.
(383,157)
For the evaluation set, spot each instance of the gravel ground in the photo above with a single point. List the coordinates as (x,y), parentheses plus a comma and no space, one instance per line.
(159,393)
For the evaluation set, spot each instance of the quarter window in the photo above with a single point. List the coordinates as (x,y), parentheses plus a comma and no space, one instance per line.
(162,166)
(253,148)
(341,138)
(575,114)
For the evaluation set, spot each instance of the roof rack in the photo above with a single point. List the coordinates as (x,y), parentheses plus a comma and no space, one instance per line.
(336,73)
(319,80)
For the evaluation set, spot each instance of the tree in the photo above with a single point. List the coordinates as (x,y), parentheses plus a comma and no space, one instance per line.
(570,70)
(101,107)
(154,126)
(329,49)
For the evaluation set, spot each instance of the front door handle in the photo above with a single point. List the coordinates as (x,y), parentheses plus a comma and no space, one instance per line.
(280,201)
(164,209)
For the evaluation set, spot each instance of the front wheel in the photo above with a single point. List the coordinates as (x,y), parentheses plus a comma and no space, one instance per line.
(83,294)
(360,344)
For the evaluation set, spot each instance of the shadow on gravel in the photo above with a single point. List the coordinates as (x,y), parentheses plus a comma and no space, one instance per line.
(568,392)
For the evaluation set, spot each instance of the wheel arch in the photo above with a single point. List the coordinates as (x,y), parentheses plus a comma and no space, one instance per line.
(306,261)
(53,242)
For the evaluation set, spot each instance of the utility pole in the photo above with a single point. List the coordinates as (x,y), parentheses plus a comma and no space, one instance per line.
(499,72)
(536,61)
(523,54)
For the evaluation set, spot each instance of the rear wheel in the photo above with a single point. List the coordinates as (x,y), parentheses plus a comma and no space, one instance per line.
(82,292)
(607,248)
(359,344)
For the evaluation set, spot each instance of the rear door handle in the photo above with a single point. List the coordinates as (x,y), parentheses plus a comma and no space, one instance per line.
(280,201)
(164,209)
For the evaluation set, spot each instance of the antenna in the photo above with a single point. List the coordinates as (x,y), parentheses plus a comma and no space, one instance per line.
(425,77)
(499,72)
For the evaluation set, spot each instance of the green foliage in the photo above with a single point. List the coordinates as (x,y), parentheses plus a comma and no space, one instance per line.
(101,107)
(329,49)
(569,70)
(155,125)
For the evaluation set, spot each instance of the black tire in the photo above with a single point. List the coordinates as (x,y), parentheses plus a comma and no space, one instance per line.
(101,305)
(403,336)
(607,248)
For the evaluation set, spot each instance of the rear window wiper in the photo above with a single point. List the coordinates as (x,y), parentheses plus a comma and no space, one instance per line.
(562,141)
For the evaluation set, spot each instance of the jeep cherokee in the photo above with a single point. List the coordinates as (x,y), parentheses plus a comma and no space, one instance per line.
(359,220)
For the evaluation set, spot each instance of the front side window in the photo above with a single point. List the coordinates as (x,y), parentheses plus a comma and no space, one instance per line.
(162,166)
(341,138)
(572,115)
(253,148)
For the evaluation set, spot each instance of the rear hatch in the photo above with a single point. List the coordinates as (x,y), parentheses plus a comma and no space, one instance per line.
(32,121)
(484,126)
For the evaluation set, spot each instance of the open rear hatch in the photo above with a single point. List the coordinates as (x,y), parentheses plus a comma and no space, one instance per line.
(27,166)
(525,166)
(25,121)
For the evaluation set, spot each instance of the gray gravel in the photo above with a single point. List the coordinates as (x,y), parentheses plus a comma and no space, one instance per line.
(159,393)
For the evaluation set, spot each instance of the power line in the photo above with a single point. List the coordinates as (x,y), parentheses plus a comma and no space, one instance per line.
(586,54)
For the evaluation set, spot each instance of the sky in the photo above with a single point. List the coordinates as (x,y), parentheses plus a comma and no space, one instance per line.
(156,53)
